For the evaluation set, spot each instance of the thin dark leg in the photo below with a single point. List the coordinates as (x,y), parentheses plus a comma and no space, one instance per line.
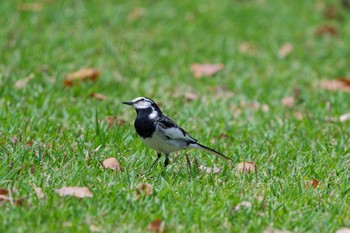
(166,161)
(159,155)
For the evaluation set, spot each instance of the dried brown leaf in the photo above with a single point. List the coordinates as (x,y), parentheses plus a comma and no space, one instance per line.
(261,199)
(34,6)
(145,189)
(4,198)
(271,230)
(112,120)
(331,12)
(136,13)
(19,84)
(15,202)
(243,204)
(221,91)
(29,144)
(312,183)
(156,226)
(80,192)
(94,228)
(81,75)
(39,193)
(344,117)
(288,101)
(248,48)
(3,191)
(205,70)
(209,170)
(265,108)
(245,167)
(98,96)
(32,169)
(340,84)
(19,202)
(13,140)
(224,136)
(326,30)
(343,230)
(191,95)
(113,164)
(285,50)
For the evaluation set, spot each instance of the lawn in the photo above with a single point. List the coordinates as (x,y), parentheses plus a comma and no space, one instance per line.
(53,136)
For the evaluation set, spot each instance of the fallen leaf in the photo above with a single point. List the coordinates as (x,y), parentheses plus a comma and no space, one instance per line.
(222,91)
(343,230)
(326,30)
(4,198)
(81,75)
(209,170)
(312,183)
(29,144)
(224,136)
(113,164)
(191,95)
(344,117)
(32,169)
(243,204)
(98,96)
(248,48)
(205,70)
(245,167)
(35,6)
(94,228)
(15,202)
(288,101)
(156,226)
(67,224)
(114,120)
(13,140)
(39,193)
(262,199)
(145,189)
(18,202)
(136,13)
(23,82)
(3,191)
(79,192)
(285,50)
(265,108)
(331,12)
(271,230)
(340,84)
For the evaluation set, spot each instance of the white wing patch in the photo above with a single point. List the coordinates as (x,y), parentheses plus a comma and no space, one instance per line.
(176,133)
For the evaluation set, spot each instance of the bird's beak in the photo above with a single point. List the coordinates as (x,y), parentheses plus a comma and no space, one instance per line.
(128,103)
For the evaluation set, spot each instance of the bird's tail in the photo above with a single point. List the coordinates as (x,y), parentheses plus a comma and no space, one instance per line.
(214,152)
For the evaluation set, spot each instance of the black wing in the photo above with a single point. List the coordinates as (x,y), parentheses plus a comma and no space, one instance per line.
(172,130)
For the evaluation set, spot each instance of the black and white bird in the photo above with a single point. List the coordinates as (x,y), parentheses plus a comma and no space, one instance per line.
(160,133)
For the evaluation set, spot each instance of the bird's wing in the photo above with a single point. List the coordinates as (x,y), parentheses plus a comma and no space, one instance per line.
(173,131)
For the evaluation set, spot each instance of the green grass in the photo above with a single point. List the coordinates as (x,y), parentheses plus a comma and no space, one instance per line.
(151,55)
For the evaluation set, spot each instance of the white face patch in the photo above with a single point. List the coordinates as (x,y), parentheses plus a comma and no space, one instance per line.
(141,102)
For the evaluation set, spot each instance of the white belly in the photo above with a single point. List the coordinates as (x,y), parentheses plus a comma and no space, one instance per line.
(162,144)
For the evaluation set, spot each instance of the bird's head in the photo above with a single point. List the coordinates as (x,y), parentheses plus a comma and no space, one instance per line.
(140,103)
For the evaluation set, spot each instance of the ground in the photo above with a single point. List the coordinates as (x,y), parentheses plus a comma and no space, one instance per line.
(52,135)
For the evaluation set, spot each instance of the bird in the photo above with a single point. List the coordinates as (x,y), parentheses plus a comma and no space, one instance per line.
(162,134)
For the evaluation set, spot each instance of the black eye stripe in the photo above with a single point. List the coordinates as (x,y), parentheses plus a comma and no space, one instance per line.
(147,100)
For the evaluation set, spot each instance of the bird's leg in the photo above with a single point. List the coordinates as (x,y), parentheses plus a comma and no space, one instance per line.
(159,155)
(166,161)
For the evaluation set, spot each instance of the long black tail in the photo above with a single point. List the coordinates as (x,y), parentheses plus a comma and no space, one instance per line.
(214,152)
